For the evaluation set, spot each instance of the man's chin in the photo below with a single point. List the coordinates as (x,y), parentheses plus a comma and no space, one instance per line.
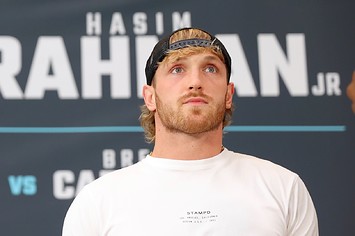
(200,126)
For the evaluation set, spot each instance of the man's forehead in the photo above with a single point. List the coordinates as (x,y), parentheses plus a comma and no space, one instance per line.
(206,56)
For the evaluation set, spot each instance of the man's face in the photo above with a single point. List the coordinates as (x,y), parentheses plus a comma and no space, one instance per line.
(192,94)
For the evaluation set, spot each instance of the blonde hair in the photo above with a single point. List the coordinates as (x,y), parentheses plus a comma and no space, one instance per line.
(146,118)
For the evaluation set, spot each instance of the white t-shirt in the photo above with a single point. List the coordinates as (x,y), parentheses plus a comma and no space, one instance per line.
(230,194)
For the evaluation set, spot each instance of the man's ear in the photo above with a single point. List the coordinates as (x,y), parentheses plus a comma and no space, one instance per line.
(149,97)
(229,95)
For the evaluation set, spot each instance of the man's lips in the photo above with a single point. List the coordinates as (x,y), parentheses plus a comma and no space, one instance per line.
(195,100)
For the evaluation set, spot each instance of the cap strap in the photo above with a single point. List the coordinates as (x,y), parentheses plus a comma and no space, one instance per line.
(190,42)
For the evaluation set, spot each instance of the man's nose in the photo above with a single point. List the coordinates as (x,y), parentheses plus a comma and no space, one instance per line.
(195,80)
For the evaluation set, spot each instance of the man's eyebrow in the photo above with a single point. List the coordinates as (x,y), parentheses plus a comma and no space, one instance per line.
(212,58)
(206,58)
(179,59)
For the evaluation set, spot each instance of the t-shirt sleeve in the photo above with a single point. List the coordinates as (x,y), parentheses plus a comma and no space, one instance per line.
(302,217)
(82,216)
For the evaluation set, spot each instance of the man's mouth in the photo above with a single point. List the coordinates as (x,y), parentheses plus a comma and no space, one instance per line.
(195,101)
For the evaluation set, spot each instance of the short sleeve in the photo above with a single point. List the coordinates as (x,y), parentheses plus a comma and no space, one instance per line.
(81,218)
(302,217)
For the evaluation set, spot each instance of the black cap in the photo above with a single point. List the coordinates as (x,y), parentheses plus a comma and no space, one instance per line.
(163,47)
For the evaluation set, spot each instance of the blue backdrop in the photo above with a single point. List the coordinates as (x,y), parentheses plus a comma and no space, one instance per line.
(71,74)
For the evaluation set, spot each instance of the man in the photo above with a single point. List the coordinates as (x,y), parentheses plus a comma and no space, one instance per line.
(350,91)
(190,184)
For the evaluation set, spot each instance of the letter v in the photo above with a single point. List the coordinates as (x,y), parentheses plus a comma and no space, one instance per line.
(15,183)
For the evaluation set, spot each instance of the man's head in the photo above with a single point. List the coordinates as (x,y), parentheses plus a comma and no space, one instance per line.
(176,65)
(183,38)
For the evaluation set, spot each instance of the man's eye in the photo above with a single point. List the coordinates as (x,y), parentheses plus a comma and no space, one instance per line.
(211,69)
(177,70)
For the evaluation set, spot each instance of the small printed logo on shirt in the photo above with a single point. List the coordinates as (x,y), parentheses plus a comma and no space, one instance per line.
(198,217)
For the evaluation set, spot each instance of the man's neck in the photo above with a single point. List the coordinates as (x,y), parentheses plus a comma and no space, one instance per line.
(182,146)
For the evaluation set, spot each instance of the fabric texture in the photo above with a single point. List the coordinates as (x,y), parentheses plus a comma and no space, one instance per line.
(228,194)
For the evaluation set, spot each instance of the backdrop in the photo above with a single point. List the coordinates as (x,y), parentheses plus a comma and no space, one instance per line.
(71,74)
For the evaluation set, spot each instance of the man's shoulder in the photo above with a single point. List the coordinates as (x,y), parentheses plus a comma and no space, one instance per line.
(120,178)
(251,163)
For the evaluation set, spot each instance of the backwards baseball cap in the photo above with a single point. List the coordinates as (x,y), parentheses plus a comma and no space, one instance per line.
(163,47)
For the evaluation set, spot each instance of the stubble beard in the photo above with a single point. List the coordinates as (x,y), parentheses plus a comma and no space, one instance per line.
(191,120)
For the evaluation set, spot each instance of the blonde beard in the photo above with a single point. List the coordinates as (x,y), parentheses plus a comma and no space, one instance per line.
(194,121)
